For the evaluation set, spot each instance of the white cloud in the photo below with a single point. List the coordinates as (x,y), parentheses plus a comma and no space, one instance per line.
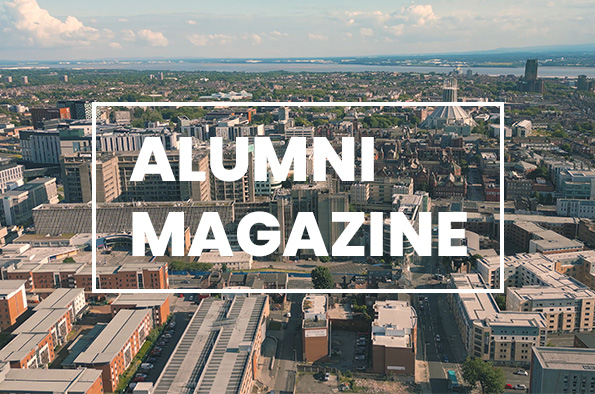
(256,39)
(190,22)
(115,45)
(396,30)
(127,35)
(123,20)
(276,33)
(152,38)
(366,32)
(317,37)
(419,14)
(40,28)
(201,40)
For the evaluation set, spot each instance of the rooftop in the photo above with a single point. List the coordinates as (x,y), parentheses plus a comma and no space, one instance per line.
(48,380)
(113,338)
(141,300)
(21,346)
(214,351)
(60,298)
(565,359)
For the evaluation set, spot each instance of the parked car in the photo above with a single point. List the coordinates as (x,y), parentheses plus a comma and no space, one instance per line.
(147,366)
(360,357)
(445,358)
(520,387)
(185,282)
(288,315)
(326,377)
(509,386)
(152,360)
(360,368)
(522,372)
(138,379)
(437,337)
(142,375)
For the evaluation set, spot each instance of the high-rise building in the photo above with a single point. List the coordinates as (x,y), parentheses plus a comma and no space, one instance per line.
(582,83)
(449,91)
(327,204)
(79,109)
(531,83)
(241,190)
(40,115)
(64,78)
(153,188)
(25,79)
(531,70)
(9,79)
(76,177)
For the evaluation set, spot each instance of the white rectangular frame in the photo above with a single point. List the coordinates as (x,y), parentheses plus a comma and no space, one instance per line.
(500,105)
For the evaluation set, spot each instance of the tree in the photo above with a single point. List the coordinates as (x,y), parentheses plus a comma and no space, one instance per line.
(69,260)
(501,301)
(322,278)
(490,379)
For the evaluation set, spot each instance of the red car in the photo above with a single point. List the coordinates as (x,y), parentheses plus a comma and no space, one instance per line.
(508,386)
(138,379)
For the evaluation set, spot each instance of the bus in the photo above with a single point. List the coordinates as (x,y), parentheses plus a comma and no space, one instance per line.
(453,384)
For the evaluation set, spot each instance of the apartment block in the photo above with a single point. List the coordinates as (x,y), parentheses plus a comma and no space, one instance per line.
(115,347)
(13,302)
(71,299)
(503,337)
(533,284)
(29,351)
(11,174)
(157,303)
(394,338)
(43,381)
(57,322)
(17,204)
(530,237)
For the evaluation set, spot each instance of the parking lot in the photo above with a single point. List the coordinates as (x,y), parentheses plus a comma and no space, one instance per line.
(163,349)
(308,383)
(514,379)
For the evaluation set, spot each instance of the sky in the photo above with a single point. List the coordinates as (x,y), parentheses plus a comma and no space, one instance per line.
(125,29)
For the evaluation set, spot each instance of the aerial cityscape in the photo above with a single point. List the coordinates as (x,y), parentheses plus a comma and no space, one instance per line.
(372,307)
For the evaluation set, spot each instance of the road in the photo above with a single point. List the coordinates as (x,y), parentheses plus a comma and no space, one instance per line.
(474,188)
(432,348)
(290,343)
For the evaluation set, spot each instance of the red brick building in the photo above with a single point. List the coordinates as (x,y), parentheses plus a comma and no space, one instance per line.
(158,303)
(115,347)
(13,302)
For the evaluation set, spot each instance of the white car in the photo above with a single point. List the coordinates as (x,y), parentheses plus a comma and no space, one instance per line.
(522,372)
(437,337)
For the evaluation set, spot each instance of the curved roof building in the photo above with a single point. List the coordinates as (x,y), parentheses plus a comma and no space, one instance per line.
(445,116)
